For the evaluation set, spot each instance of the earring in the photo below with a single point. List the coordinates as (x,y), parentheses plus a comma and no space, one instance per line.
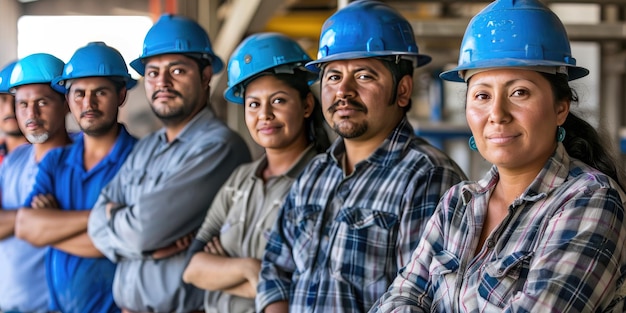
(472,143)
(560,134)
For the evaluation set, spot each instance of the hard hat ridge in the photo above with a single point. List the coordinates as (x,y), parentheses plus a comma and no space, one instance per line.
(365,29)
(515,33)
(179,35)
(37,68)
(261,53)
(96,59)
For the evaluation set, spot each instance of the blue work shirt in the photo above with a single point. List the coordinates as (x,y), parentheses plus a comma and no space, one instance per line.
(22,280)
(79,284)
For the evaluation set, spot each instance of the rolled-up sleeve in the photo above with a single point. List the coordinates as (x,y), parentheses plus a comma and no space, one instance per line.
(98,225)
(177,206)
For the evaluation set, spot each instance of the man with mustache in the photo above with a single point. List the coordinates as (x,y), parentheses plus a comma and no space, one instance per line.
(355,214)
(145,217)
(95,81)
(40,112)
(13,136)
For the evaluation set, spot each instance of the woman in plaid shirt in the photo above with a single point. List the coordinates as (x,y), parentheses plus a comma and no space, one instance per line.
(544,230)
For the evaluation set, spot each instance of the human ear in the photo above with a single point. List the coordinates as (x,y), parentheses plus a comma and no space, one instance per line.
(404,91)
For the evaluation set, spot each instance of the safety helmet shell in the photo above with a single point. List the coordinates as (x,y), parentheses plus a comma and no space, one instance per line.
(515,33)
(96,59)
(365,29)
(38,68)
(260,53)
(179,35)
(5,76)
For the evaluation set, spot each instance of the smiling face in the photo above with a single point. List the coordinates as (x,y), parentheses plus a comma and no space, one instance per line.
(357,98)
(40,112)
(513,116)
(175,87)
(275,113)
(94,103)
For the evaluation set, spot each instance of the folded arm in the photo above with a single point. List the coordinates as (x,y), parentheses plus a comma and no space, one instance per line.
(43,227)
(177,206)
(216,271)
(79,245)
(7,223)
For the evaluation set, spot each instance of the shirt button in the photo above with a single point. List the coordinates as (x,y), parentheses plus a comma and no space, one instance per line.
(490,244)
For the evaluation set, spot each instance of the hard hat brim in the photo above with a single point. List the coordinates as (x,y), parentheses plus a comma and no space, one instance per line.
(454,75)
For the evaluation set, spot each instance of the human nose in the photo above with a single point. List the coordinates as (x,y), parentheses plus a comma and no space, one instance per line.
(89,101)
(500,111)
(266,112)
(345,88)
(31,111)
(164,79)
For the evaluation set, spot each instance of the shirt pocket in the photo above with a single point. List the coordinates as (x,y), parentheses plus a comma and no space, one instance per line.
(503,278)
(140,181)
(443,275)
(305,241)
(364,248)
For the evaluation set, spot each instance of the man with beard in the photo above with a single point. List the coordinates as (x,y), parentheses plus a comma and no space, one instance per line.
(95,81)
(40,112)
(161,193)
(355,214)
(13,136)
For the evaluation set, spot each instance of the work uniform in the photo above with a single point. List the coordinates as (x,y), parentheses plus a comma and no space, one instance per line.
(340,239)
(162,192)
(242,215)
(79,284)
(23,285)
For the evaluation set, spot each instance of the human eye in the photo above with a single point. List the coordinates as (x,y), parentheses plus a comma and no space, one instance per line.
(253,104)
(101,93)
(279,100)
(480,96)
(178,71)
(364,76)
(41,103)
(78,94)
(519,93)
(152,74)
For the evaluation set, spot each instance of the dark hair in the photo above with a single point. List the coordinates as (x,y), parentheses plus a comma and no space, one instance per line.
(582,141)
(118,82)
(399,68)
(314,124)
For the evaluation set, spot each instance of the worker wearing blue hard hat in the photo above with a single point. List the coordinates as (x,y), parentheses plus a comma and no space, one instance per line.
(95,82)
(146,216)
(355,214)
(543,230)
(40,112)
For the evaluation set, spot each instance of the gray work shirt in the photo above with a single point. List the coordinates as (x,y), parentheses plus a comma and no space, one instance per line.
(242,215)
(164,189)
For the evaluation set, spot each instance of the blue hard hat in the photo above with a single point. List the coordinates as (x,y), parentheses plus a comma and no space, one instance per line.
(5,76)
(38,68)
(96,59)
(365,29)
(179,35)
(261,53)
(515,33)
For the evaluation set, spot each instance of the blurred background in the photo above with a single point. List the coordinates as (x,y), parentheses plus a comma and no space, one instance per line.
(597,29)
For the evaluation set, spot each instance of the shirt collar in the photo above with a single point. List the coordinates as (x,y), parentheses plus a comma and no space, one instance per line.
(552,175)
(76,153)
(301,162)
(188,130)
(388,153)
